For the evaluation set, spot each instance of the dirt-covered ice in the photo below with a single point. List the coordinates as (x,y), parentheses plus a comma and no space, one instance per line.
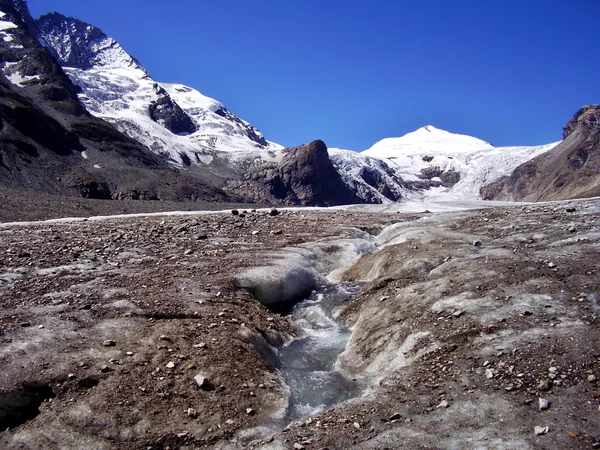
(139,332)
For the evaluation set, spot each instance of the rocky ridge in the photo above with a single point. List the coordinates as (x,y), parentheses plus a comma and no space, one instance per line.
(570,170)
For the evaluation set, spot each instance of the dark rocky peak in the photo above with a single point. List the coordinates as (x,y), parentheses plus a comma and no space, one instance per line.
(17,11)
(252,133)
(307,177)
(586,120)
(80,45)
(169,114)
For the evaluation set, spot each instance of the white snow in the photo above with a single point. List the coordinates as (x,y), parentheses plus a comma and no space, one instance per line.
(19,79)
(123,95)
(403,159)
(288,278)
(4,25)
(425,140)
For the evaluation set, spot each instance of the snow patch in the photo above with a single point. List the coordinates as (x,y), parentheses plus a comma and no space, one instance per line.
(4,25)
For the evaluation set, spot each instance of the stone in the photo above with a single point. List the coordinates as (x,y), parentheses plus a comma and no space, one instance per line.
(395,416)
(170,365)
(191,412)
(551,265)
(544,404)
(105,369)
(276,232)
(592,378)
(489,374)
(298,446)
(274,212)
(250,411)
(539,430)
(443,404)
(229,421)
(202,237)
(235,212)
(544,385)
(477,243)
(188,252)
(109,343)
(203,382)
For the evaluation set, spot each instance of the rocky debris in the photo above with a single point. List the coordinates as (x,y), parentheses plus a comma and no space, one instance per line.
(544,404)
(413,350)
(203,382)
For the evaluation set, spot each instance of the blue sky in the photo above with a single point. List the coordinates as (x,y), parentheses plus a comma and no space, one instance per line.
(352,72)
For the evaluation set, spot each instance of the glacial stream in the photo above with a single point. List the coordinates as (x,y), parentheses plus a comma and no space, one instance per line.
(308,363)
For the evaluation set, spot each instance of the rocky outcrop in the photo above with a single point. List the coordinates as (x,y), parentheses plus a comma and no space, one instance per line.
(167,113)
(570,170)
(307,177)
(304,176)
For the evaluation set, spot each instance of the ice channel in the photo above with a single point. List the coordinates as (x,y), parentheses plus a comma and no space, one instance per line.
(307,364)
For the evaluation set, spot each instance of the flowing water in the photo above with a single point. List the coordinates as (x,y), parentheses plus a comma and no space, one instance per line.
(308,363)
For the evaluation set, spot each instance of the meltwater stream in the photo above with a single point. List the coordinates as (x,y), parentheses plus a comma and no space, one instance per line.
(307,364)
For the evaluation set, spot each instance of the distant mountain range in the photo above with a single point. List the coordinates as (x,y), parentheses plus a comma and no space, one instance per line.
(79,115)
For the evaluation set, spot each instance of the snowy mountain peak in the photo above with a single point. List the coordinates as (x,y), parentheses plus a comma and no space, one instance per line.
(428,128)
(426,140)
(80,45)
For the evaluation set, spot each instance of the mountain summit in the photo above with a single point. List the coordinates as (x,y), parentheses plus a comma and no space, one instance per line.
(426,139)
(80,45)
(116,87)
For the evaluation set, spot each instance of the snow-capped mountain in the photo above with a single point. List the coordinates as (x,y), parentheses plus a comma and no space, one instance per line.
(187,128)
(174,121)
(428,139)
(438,162)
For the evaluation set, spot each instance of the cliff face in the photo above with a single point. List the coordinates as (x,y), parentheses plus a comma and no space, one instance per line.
(570,170)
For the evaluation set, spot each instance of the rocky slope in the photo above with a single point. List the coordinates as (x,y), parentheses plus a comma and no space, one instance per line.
(49,142)
(570,170)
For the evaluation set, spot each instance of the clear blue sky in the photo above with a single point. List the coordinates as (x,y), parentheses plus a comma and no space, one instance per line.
(352,72)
